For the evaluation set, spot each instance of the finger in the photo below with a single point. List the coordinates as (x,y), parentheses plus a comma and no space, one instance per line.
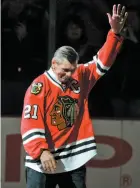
(125,17)
(50,166)
(114,9)
(53,164)
(109,17)
(44,165)
(122,11)
(118,9)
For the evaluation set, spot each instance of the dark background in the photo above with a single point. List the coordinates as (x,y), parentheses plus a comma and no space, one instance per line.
(24,51)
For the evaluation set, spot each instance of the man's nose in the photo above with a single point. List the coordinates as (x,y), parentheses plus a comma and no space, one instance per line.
(69,74)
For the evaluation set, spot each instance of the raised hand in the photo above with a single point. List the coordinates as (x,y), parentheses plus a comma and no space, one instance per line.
(118,18)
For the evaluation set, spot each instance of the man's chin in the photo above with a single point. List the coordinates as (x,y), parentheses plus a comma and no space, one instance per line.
(65,80)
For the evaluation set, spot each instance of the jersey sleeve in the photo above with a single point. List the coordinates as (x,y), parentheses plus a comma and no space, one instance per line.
(32,121)
(103,60)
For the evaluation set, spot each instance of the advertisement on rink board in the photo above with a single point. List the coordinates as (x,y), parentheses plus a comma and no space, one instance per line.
(116,164)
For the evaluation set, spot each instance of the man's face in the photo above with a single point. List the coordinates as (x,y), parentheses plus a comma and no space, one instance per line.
(64,70)
(74,31)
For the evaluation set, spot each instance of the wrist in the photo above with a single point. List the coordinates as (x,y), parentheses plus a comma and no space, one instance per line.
(116,32)
(42,150)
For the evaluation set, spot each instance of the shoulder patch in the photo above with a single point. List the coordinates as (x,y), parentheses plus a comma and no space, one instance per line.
(36,88)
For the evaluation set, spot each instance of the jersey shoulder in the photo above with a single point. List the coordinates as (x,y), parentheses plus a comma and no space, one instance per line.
(38,86)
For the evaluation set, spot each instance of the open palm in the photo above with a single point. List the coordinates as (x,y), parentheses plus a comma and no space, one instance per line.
(118,18)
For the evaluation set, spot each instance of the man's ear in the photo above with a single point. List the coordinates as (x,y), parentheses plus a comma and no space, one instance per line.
(53,63)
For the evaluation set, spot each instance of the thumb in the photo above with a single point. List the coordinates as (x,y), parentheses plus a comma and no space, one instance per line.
(109,17)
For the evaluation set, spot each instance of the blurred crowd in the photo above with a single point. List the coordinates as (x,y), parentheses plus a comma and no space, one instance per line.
(24,38)
(82,25)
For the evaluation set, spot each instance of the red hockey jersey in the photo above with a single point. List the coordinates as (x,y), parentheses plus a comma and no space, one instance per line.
(56,116)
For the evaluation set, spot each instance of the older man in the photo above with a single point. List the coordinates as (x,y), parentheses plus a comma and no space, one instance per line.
(57,132)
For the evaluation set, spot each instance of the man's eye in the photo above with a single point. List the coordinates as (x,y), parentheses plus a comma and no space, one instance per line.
(73,71)
(65,70)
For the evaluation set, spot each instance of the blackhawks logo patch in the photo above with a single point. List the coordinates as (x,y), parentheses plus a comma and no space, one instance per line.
(36,88)
(64,112)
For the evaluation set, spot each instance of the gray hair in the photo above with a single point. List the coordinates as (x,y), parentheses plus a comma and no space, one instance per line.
(66,52)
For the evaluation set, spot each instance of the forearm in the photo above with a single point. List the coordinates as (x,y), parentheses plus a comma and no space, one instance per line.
(33,141)
(107,54)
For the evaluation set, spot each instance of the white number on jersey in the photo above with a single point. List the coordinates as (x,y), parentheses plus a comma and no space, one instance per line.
(30,111)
